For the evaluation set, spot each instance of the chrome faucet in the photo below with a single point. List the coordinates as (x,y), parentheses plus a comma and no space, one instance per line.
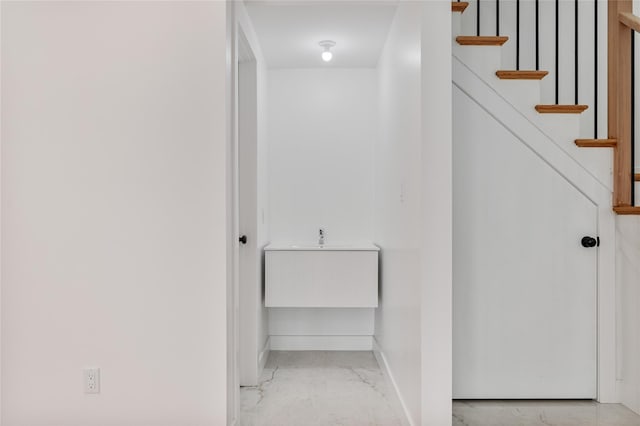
(321,236)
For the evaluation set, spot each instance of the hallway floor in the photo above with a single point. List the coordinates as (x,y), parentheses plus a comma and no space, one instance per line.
(313,388)
(535,413)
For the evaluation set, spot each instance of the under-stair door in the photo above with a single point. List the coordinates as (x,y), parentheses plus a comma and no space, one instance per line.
(524,286)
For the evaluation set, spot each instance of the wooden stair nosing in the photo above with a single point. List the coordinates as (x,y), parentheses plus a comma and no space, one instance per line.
(637,177)
(561,109)
(596,143)
(459,6)
(482,40)
(521,74)
(627,210)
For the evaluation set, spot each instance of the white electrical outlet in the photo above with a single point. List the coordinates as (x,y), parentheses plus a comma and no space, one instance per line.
(91,380)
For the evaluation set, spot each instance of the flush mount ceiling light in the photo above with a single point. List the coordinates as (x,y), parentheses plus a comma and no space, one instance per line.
(326,52)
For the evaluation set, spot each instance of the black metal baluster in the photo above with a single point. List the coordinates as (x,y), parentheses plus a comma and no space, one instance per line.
(595,72)
(557,51)
(497,18)
(633,118)
(537,35)
(517,34)
(478,18)
(575,9)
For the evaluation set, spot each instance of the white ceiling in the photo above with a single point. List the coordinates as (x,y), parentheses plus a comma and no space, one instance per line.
(289,33)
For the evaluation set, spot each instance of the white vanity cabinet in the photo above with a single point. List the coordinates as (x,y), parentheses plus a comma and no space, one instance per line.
(321,276)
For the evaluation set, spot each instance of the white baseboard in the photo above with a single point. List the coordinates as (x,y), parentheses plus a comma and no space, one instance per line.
(628,396)
(398,400)
(264,355)
(321,343)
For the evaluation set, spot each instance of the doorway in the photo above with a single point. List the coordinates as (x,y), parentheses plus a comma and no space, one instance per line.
(253,349)
(347,154)
(525,287)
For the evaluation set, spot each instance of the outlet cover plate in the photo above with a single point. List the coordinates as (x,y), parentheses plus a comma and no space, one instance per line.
(91,380)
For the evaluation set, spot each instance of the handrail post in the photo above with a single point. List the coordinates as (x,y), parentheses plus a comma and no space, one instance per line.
(619,100)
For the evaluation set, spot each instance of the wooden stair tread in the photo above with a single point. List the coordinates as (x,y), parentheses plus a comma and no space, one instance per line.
(561,109)
(521,74)
(596,143)
(459,6)
(481,40)
(627,210)
(637,177)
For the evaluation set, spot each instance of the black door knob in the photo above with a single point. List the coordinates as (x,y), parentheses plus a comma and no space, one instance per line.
(590,241)
(243,239)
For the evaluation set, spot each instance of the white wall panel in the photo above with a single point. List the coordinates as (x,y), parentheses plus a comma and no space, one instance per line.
(114,183)
(321,138)
(321,321)
(322,131)
(398,222)
(436,237)
(628,285)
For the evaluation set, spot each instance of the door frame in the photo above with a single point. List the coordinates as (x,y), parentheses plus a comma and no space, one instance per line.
(481,274)
(247,188)
(435,285)
(237,24)
(606,316)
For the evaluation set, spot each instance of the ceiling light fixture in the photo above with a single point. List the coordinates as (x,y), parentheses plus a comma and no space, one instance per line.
(326,52)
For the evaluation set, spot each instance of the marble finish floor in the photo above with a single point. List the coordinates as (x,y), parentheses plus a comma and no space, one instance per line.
(314,388)
(545,413)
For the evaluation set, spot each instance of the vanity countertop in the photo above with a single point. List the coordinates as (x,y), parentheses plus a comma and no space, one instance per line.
(324,247)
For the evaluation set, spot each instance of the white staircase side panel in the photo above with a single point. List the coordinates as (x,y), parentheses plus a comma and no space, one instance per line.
(523,95)
(563,128)
(561,157)
(483,60)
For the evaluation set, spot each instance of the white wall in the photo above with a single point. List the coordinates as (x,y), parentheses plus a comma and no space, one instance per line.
(413,210)
(114,212)
(398,202)
(321,138)
(263,192)
(436,214)
(627,273)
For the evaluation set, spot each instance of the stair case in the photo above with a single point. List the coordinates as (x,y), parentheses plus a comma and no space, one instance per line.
(521,88)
